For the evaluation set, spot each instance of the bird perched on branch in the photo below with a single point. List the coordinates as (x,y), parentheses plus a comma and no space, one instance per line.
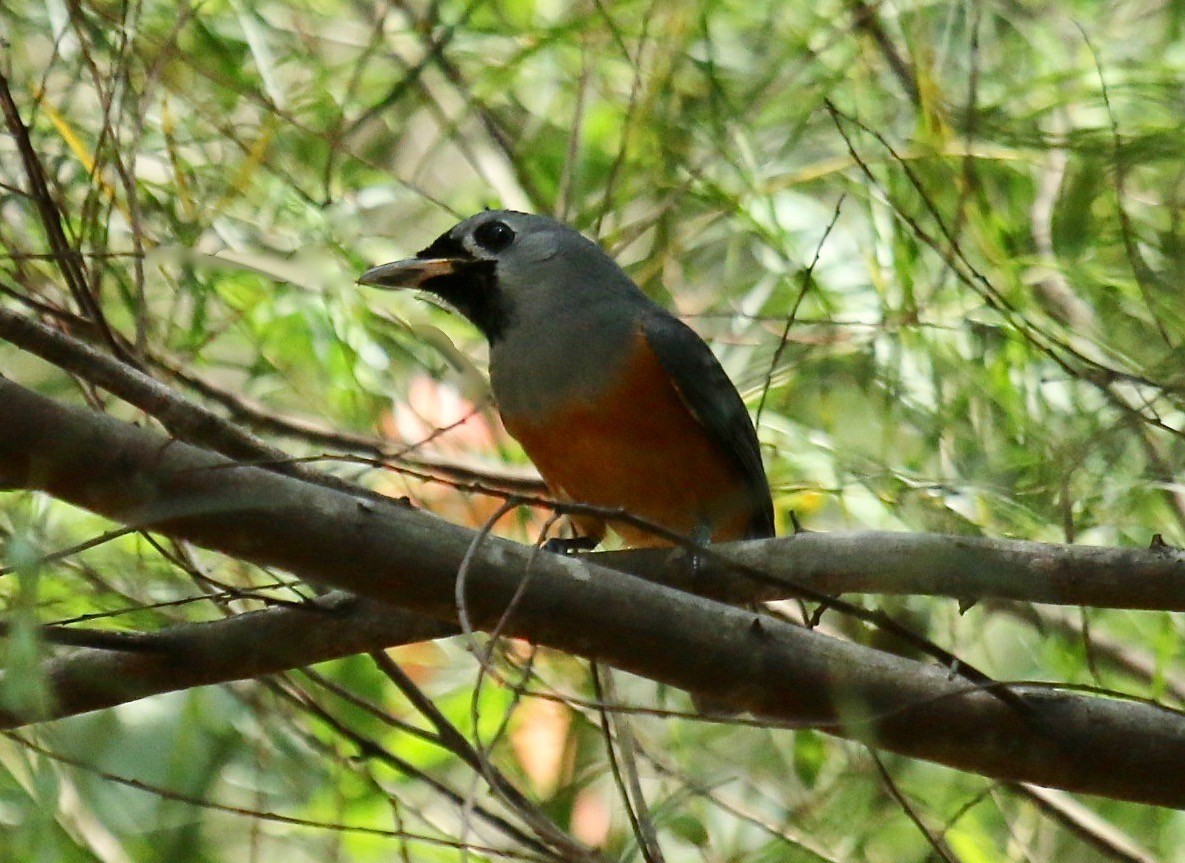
(617,402)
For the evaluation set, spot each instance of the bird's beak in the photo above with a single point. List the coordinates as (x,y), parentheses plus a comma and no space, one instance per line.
(411,273)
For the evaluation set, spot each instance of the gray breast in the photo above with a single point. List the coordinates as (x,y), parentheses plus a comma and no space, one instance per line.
(543,362)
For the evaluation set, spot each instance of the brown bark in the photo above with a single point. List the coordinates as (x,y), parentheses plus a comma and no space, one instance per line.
(389,553)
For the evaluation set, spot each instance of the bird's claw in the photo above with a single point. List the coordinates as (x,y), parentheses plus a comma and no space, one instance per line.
(571,544)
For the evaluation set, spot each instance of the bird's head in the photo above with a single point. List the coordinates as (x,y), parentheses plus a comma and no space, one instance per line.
(500,264)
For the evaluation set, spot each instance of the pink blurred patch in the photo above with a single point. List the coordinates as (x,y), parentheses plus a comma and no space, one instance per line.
(540,742)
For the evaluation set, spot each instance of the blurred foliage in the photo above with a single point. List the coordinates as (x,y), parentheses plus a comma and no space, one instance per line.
(968,214)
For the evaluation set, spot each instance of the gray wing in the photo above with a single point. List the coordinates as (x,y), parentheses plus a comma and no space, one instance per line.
(714,402)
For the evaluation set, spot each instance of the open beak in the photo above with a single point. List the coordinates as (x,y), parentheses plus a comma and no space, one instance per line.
(411,273)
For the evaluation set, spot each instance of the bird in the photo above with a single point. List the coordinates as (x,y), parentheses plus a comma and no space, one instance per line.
(620,405)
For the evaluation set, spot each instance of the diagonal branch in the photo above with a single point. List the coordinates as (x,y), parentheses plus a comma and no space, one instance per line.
(247,645)
(410,559)
(961,567)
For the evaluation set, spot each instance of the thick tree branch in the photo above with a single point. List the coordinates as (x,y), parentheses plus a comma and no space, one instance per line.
(967,568)
(183,418)
(411,559)
(961,567)
(197,424)
(248,645)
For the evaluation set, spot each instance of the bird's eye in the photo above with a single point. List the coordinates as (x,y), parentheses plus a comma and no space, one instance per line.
(494,236)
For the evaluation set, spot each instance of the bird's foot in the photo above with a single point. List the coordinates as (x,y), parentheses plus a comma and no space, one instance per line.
(571,544)
(701,538)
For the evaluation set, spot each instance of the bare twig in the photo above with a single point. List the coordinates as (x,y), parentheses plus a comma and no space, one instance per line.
(937,844)
(65,255)
(624,768)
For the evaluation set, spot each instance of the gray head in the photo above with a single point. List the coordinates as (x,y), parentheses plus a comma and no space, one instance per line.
(501,265)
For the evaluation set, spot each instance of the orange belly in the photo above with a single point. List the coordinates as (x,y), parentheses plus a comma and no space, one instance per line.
(636,446)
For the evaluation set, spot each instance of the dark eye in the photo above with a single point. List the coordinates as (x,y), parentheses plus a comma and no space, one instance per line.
(494,236)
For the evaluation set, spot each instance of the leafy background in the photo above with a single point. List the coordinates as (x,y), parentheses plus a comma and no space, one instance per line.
(939,245)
